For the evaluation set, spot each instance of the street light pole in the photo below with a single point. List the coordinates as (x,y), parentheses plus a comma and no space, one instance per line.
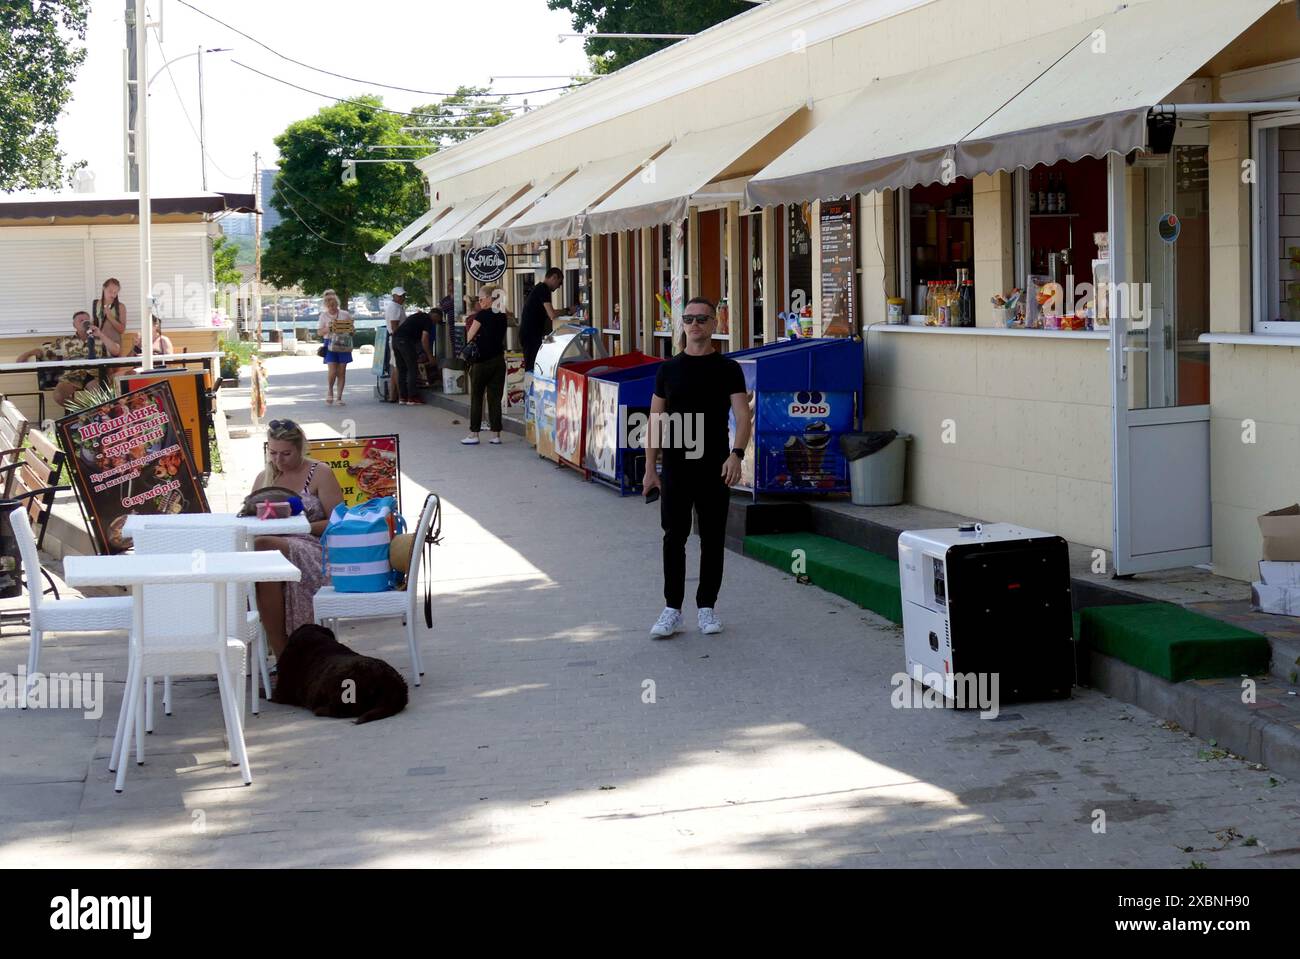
(203,150)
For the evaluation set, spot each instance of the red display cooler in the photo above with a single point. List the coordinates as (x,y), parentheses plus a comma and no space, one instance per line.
(571,402)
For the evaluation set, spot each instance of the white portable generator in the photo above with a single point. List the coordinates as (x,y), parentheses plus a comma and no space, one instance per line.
(988,599)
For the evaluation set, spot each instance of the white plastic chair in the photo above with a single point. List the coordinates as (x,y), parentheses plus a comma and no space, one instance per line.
(330,606)
(94,615)
(242,619)
(177,634)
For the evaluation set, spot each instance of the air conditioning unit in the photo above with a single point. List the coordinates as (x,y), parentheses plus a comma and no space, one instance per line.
(985,600)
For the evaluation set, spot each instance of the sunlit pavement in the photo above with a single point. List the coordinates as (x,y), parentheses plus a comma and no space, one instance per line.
(551,731)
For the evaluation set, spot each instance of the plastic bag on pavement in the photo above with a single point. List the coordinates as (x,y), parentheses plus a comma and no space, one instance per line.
(854,446)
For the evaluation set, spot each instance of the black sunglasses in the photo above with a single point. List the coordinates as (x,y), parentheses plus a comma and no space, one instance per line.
(700,318)
(282,425)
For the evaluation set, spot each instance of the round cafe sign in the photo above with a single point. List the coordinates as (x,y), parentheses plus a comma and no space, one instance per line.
(486,263)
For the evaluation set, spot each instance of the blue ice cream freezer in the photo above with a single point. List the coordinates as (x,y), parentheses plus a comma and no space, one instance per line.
(618,410)
(803,395)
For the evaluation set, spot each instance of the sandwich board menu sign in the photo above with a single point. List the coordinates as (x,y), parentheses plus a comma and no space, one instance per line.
(130,455)
(366,467)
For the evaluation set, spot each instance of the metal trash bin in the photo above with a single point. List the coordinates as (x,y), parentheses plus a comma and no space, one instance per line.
(877,466)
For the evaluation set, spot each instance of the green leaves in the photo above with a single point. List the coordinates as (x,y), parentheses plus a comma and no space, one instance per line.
(641,16)
(329,226)
(39,56)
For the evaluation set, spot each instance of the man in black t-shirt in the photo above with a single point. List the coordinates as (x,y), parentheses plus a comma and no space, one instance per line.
(538,316)
(694,393)
(412,338)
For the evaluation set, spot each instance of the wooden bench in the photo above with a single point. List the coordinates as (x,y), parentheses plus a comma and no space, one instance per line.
(33,480)
(13,437)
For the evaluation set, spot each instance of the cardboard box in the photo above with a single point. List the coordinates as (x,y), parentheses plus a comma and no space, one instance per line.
(1278,600)
(1281,531)
(1279,574)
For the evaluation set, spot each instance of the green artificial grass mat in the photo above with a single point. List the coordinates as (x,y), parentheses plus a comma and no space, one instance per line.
(1172,642)
(860,576)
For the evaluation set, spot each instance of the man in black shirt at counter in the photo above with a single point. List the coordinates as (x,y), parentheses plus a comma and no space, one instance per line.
(537,316)
(412,338)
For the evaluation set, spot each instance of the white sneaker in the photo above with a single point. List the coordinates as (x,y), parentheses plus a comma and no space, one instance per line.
(470,440)
(669,622)
(709,622)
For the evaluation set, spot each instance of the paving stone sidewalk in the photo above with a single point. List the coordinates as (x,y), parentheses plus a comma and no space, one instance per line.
(535,739)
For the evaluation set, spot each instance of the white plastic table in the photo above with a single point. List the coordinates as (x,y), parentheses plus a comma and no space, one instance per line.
(158,569)
(251,524)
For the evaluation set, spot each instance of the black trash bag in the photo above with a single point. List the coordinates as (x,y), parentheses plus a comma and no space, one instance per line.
(854,446)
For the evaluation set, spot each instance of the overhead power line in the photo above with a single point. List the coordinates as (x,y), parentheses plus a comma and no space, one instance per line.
(342,76)
(487,108)
(298,216)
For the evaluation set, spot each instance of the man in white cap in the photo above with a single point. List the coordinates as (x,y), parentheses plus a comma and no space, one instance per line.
(394,315)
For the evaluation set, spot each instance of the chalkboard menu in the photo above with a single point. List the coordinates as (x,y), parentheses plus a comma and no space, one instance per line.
(838,267)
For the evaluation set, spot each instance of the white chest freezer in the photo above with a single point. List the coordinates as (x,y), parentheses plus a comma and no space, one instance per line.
(985,599)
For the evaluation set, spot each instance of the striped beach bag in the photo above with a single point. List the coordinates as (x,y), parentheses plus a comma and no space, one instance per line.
(356,545)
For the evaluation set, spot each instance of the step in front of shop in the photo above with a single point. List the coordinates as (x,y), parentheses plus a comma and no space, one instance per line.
(1262,726)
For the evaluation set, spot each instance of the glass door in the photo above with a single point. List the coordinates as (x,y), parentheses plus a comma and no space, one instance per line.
(1168,364)
(1159,305)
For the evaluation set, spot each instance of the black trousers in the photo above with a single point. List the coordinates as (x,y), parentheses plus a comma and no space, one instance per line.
(486,376)
(406,353)
(530,352)
(698,490)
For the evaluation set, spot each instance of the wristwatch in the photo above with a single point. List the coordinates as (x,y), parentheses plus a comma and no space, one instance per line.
(738,452)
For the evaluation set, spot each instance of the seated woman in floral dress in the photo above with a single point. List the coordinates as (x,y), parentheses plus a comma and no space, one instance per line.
(286,606)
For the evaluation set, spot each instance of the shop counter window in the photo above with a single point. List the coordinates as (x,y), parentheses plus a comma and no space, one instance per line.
(937,251)
(1277,217)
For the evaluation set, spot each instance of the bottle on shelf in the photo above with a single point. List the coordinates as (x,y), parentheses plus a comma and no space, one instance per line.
(1051,193)
(1042,193)
(1033,196)
(1062,199)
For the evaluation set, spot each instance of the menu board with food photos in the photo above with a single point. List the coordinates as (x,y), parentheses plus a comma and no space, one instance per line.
(838,267)
(366,467)
(130,455)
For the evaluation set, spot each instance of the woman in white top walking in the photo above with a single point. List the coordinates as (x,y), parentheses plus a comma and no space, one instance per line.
(336,329)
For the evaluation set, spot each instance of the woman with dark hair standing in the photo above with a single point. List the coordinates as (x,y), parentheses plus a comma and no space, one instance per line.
(487,375)
(108,317)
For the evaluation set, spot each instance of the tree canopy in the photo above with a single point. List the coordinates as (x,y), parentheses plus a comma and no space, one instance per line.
(641,16)
(328,226)
(39,56)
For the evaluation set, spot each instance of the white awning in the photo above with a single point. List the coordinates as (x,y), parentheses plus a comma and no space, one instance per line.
(560,214)
(1080,90)
(426,219)
(445,235)
(899,130)
(1095,99)
(489,231)
(661,192)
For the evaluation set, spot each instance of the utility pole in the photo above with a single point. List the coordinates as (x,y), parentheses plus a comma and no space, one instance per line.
(203,130)
(257,244)
(137,35)
(130,93)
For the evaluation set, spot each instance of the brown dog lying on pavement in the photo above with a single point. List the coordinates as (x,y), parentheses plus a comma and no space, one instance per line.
(318,672)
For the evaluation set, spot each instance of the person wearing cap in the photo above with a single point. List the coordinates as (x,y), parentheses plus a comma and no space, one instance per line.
(394,316)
